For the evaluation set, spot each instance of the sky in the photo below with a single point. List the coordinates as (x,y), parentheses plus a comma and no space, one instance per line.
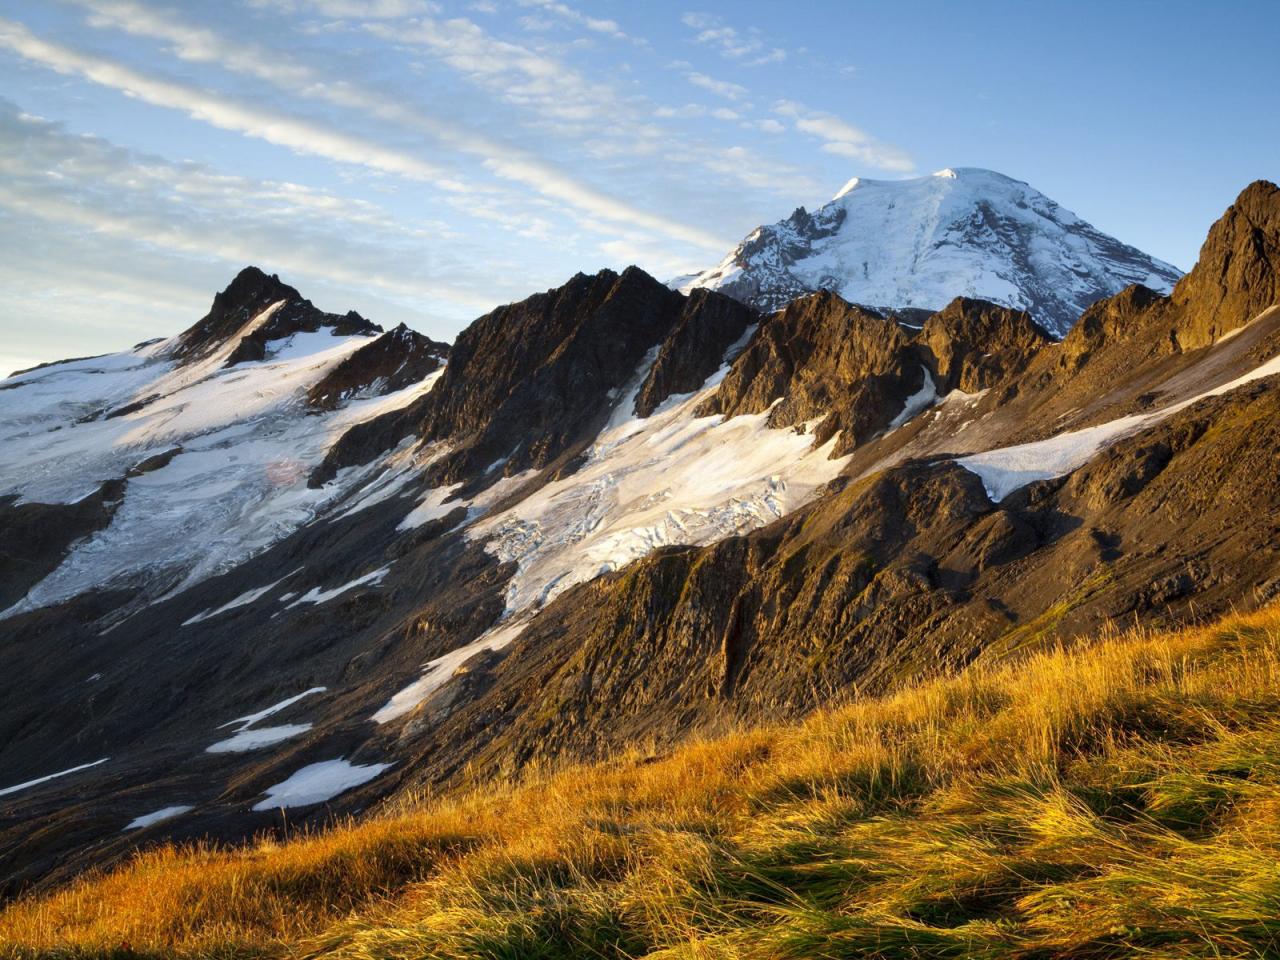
(423,161)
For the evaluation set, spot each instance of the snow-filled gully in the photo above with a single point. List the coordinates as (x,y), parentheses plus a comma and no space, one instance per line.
(670,478)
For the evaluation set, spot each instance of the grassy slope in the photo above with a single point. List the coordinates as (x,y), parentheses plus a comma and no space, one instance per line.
(1120,800)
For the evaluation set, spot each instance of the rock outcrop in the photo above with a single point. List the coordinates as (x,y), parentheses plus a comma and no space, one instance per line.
(394,360)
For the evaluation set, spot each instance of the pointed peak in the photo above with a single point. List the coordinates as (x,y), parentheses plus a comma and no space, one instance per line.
(1238,273)
(252,284)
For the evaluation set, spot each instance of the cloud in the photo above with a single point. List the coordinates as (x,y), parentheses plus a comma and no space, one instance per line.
(460,41)
(841,138)
(690,111)
(92,185)
(721,88)
(565,12)
(299,135)
(518,74)
(750,50)
(614,127)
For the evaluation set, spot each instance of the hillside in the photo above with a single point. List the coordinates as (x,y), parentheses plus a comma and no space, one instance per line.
(1111,800)
(284,562)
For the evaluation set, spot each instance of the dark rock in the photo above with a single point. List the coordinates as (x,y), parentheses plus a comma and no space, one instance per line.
(390,362)
(154,462)
(708,325)
(971,345)
(823,357)
(528,382)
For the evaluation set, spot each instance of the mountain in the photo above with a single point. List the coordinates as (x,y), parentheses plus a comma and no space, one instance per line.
(287,561)
(919,243)
(178,458)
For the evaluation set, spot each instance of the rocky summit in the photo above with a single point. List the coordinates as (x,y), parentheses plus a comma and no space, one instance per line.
(286,565)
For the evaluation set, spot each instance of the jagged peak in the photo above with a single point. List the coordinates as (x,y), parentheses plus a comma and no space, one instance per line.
(1238,273)
(250,292)
(253,284)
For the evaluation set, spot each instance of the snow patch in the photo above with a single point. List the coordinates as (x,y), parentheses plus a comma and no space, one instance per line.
(254,739)
(922,398)
(436,504)
(438,671)
(317,595)
(246,598)
(318,782)
(164,813)
(52,776)
(1006,469)
(251,719)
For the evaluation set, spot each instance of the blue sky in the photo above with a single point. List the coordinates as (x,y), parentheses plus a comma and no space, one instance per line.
(425,160)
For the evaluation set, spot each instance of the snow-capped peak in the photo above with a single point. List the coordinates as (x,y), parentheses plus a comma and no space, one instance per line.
(963,231)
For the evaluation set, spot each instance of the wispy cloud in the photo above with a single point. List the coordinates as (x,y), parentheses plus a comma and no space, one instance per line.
(721,88)
(843,139)
(348,9)
(565,12)
(464,44)
(93,185)
(295,133)
(749,49)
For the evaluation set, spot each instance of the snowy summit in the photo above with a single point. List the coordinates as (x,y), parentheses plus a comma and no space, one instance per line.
(921,242)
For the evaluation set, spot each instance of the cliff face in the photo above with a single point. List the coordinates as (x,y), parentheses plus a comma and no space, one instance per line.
(973,345)
(529,385)
(709,325)
(1238,273)
(391,362)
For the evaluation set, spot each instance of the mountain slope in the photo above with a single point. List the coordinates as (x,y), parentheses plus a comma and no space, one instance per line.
(920,243)
(616,514)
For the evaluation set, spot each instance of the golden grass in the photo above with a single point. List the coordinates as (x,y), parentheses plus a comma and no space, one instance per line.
(1118,799)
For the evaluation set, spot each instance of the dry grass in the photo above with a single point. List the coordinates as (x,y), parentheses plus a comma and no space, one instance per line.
(1117,800)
